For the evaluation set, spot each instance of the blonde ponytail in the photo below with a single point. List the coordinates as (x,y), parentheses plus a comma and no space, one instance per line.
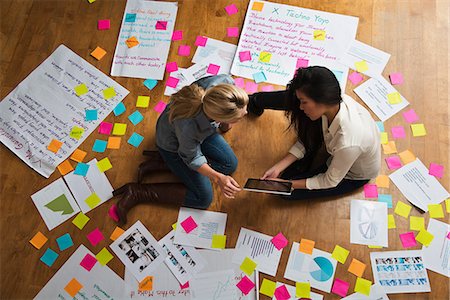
(186,103)
(224,102)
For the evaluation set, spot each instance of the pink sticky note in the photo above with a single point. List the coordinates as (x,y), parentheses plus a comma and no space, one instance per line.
(184,286)
(184,50)
(200,41)
(398,132)
(172,82)
(251,87)
(103,24)
(244,56)
(161,25)
(396,78)
(279,241)
(189,224)
(393,162)
(88,262)
(370,191)
(245,285)
(231,9)
(410,116)
(281,293)
(239,82)
(172,67)
(213,69)
(177,35)
(340,287)
(105,128)
(302,63)
(95,237)
(355,78)
(160,107)
(267,88)
(232,31)
(436,170)
(408,239)
(448,235)
(112,212)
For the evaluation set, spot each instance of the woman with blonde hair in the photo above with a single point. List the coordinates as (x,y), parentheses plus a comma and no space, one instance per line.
(190,147)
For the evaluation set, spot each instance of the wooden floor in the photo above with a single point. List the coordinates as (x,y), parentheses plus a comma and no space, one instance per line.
(414,32)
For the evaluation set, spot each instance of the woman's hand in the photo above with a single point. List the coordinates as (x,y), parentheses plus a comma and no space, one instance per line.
(228,185)
(273,172)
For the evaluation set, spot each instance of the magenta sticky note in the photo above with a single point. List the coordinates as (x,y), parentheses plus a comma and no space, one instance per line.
(245,55)
(396,78)
(105,128)
(448,235)
(279,241)
(177,35)
(172,82)
(200,41)
(184,286)
(231,9)
(112,212)
(370,191)
(355,78)
(172,67)
(393,162)
(160,107)
(161,25)
(410,116)
(251,87)
(436,170)
(232,31)
(267,88)
(281,293)
(238,81)
(88,262)
(213,69)
(245,285)
(398,132)
(95,237)
(188,224)
(302,63)
(340,287)
(184,50)
(408,239)
(103,24)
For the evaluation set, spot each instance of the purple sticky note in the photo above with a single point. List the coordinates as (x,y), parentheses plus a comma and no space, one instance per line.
(172,82)
(105,128)
(281,293)
(184,50)
(279,241)
(213,69)
(410,116)
(160,107)
(172,67)
(232,31)
(239,82)
(231,9)
(103,24)
(396,78)
(161,25)
(245,285)
(302,63)
(267,88)
(200,41)
(355,78)
(393,162)
(188,224)
(88,262)
(398,132)
(340,287)
(95,237)
(251,87)
(177,35)
(244,56)
(112,212)
(436,170)
(408,239)
(370,191)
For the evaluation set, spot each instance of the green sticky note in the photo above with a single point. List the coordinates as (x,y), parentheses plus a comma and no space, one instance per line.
(80,220)
(363,286)
(92,200)
(219,241)
(248,266)
(303,289)
(391,222)
(402,209)
(104,256)
(435,211)
(267,287)
(104,165)
(394,98)
(109,93)
(416,223)
(143,101)
(424,237)
(340,254)
(81,89)
(119,129)
(76,132)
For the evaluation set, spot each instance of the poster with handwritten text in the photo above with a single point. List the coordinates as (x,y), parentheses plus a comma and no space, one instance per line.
(277,36)
(49,108)
(144,39)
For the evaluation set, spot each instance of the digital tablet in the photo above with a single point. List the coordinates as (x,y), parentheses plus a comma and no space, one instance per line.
(268,186)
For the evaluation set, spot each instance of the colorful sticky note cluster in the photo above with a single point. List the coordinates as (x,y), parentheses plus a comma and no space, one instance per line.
(402,209)
(306,246)
(80,220)
(95,237)
(248,266)
(189,224)
(38,240)
(88,262)
(98,53)
(357,268)
(408,239)
(340,254)
(135,139)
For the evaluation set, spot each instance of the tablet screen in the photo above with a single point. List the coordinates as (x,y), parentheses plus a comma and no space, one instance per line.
(268,186)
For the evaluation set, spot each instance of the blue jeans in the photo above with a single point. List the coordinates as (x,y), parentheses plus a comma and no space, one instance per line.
(220,157)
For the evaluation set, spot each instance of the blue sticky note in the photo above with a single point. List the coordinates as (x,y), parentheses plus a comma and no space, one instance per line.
(130,18)
(385,198)
(259,77)
(380,126)
(49,257)
(150,83)
(136,118)
(136,139)
(338,74)
(99,146)
(91,114)
(81,169)
(119,109)
(64,242)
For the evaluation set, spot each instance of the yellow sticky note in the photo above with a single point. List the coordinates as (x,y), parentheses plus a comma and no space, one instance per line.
(265,56)
(38,240)
(374,247)
(416,223)
(81,89)
(76,132)
(361,66)
(109,93)
(73,287)
(132,42)
(98,53)
(267,287)
(80,220)
(174,226)
(356,267)
(104,165)
(391,222)
(65,167)
(435,211)
(383,138)
(248,266)
(78,155)
(389,148)
(382,181)
(114,142)
(219,241)
(258,6)
(303,290)
(54,145)
(418,130)
(424,237)
(93,200)
(104,256)
(146,284)
(394,98)
(319,35)
(91,1)
(407,156)
(119,129)
(363,286)
(402,209)
(340,254)
(116,233)
(306,246)
(143,101)
(447,205)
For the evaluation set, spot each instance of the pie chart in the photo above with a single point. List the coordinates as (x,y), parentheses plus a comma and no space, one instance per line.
(323,270)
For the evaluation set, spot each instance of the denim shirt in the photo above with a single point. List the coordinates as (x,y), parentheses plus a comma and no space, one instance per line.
(185,136)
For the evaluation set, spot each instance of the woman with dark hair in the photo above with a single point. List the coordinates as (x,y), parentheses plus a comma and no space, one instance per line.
(323,119)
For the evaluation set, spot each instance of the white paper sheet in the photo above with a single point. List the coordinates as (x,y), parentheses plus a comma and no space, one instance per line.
(291,290)
(225,51)
(374,93)
(55,203)
(376,293)
(259,248)
(44,107)
(185,78)
(220,285)
(400,271)
(98,283)
(148,58)
(437,255)
(419,187)
(368,223)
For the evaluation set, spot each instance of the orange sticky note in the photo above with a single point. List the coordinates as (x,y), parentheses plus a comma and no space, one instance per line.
(306,246)
(407,156)
(54,145)
(382,181)
(389,148)
(38,240)
(113,142)
(146,284)
(132,42)
(78,155)
(73,287)
(357,267)
(65,167)
(258,6)
(116,233)
(98,53)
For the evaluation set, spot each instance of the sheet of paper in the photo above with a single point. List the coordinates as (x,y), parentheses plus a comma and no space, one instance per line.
(215,48)
(287,32)
(55,203)
(208,222)
(259,248)
(400,271)
(436,255)
(148,58)
(45,102)
(200,69)
(374,93)
(98,283)
(368,223)
(291,290)
(219,285)
(185,78)
(419,187)
(376,293)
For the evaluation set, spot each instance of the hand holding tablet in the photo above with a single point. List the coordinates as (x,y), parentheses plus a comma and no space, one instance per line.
(268,186)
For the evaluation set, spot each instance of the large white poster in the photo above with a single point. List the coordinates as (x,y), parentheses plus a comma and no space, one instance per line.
(144,39)
(276,35)
(50,104)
